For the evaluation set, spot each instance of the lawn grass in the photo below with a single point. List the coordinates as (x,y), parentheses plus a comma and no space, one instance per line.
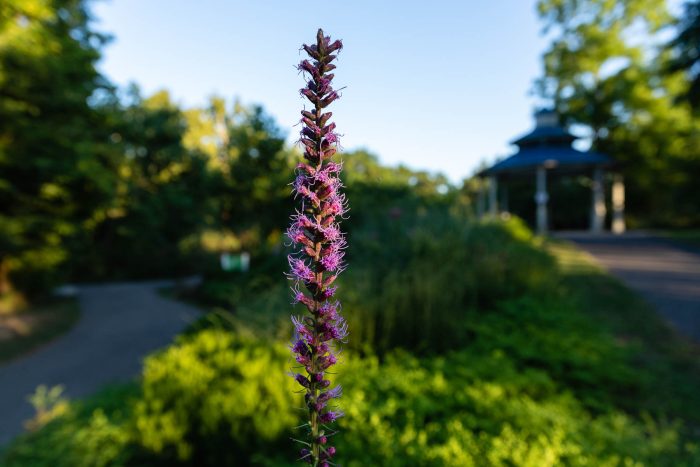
(670,359)
(36,326)
(606,298)
(688,237)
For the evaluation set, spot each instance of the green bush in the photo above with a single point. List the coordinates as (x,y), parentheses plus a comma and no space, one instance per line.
(93,432)
(212,399)
(217,399)
(467,348)
(556,337)
(417,290)
(467,409)
(412,282)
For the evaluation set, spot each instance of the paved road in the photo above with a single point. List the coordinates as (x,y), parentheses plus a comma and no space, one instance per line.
(120,324)
(666,274)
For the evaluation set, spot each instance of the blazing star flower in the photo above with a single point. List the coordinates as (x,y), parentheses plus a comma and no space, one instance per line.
(319,254)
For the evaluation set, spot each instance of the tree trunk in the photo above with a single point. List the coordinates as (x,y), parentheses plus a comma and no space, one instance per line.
(5,286)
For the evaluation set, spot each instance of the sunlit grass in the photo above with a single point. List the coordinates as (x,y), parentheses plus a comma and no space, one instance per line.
(670,361)
(572,260)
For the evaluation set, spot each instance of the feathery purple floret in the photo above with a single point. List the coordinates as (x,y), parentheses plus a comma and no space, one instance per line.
(319,250)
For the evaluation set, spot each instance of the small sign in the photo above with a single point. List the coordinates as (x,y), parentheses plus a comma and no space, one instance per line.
(239,262)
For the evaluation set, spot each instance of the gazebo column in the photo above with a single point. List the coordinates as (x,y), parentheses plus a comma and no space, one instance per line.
(493,196)
(618,204)
(481,199)
(597,202)
(541,198)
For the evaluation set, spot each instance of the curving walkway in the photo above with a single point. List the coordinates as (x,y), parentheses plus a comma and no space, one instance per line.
(120,324)
(666,274)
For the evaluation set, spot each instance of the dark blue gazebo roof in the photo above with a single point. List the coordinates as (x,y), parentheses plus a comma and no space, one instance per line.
(549,146)
(549,157)
(545,135)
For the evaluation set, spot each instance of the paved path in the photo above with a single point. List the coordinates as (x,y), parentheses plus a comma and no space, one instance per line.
(119,325)
(666,274)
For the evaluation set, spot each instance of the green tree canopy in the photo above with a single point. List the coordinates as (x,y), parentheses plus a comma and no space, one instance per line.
(165,194)
(604,69)
(686,49)
(55,167)
(246,148)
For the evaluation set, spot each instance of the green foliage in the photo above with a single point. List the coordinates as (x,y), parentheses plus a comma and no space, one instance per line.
(214,398)
(258,174)
(48,403)
(602,71)
(56,170)
(246,148)
(418,290)
(165,196)
(99,185)
(473,409)
(664,365)
(93,432)
(469,345)
(554,336)
(686,48)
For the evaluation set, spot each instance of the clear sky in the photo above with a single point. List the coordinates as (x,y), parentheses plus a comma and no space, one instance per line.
(436,85)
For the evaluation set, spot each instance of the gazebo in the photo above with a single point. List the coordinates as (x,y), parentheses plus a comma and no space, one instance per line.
(548,148)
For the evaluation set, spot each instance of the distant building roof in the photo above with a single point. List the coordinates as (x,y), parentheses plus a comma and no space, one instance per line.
(548,145)
(549,157)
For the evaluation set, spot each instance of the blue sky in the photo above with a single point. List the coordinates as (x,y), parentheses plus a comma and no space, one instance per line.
(436,85)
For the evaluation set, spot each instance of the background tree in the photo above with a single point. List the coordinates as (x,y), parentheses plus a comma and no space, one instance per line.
(257,190)
(686,49)
(246,149)
(604,69)
(165,195)
(55,166)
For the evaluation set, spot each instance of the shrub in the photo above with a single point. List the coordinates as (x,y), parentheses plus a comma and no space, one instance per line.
(465,409)
(526,374)
(93,432)
(413,281)
(417,290)
(217,399)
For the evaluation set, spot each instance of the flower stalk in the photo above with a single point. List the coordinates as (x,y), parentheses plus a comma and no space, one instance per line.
(319,251)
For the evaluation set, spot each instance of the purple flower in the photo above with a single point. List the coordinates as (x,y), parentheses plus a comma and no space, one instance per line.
(328,293)
(296,234)
(331,233)
(328,311)
(300,270)
(301,379)
(334,167)
(332,261)
(331,416)
(319,245)
(334,393)
(300,297)
(335,206)
(327,361)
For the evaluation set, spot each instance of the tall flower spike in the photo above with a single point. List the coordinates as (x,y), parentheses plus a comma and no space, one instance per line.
(319,250)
